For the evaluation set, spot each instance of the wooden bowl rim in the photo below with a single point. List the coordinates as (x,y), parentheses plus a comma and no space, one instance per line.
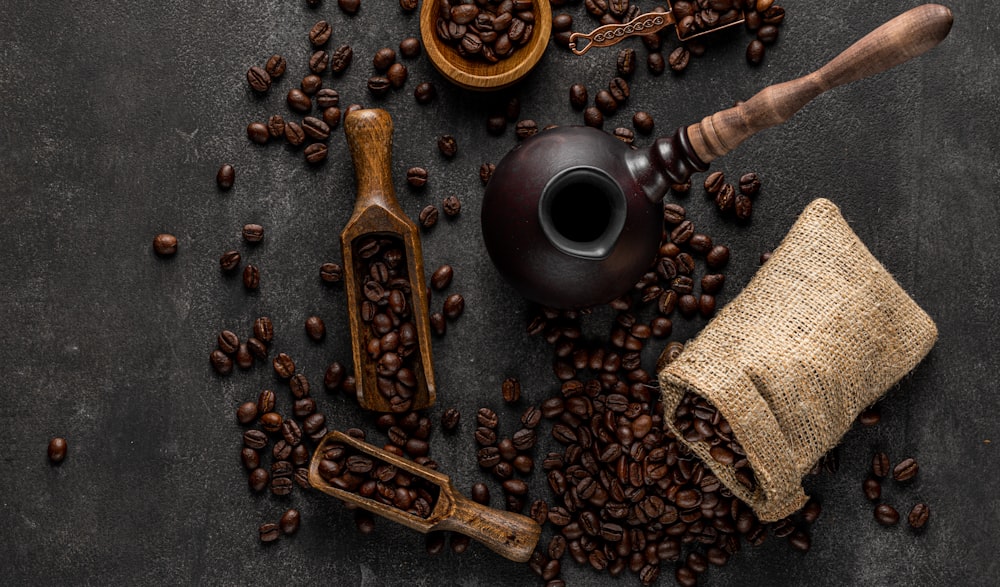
(479,75)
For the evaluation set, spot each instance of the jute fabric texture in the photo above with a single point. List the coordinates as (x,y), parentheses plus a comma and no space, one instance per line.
(821,332)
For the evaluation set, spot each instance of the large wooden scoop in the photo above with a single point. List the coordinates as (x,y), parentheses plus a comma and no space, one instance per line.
(509,534)
(377,214)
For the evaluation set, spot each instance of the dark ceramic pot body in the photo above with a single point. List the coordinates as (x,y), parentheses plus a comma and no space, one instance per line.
(572,217)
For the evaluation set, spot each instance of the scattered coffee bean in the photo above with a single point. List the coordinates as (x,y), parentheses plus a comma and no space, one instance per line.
(679,59)
(919,515)
(275,66)
(447,145)
(905,470)
(511,390)
(755,52)
(320,33)
(284,366)
(341,59)
(486,172)
(251,277)
(886,515)
(331,272)
(592,117)
(450,419)
(349,7)
(221,362)
(57,449)
(643,122)
(424,93)
(442,277)
(259,79)
(253,233)
(453,306)
(655,63)
(258,133)
(315,328)
(316,153)
(880,465)
(872,489)
(268,532)
(294,134)
(225,177)
(410,47)
(298,101)
(451,205)
(578,96)
(165,245)
(428,216)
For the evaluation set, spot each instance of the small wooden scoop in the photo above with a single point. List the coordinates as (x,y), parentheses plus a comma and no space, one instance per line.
(377,213)
(509,534)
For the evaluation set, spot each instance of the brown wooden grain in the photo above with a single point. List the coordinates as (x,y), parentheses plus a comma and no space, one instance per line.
(376,211)
(481,75)
(509,534)
(902,38)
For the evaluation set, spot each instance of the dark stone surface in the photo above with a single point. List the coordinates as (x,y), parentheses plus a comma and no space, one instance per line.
(116,116)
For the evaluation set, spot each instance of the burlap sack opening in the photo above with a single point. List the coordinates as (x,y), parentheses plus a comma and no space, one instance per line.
(819,334)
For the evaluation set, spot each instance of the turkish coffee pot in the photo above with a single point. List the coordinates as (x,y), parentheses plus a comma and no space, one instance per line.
(572,216)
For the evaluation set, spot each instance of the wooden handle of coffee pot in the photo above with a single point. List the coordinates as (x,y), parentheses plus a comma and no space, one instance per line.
(902,38)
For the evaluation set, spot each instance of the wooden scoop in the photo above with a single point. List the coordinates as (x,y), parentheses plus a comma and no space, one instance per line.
(377,213)
(509,534)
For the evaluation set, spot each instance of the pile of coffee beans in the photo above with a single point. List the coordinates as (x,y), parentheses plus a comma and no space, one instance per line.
(349,470)
(730,200)
(230,349)
(699,421)
(503,457)
(386,308)
(902,473)
(486,31)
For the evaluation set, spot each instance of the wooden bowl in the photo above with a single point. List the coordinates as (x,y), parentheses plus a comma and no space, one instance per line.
(477,74)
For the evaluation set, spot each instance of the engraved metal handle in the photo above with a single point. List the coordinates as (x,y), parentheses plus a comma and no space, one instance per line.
(611,34)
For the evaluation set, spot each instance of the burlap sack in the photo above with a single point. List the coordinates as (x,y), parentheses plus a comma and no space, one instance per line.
(819,334)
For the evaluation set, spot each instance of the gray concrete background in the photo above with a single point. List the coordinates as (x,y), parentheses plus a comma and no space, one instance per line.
(116,116)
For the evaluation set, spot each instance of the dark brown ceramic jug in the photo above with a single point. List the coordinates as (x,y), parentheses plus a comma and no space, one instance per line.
(572,216)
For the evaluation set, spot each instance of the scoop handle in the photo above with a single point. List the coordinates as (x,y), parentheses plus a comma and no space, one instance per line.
(369,139)
(509,534)
(902,38)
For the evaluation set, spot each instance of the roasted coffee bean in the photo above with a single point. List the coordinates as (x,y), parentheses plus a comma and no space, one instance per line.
(318,62)
(281,485)
(258,479)
(441,278)
(767,34)
(246,413)
(258,133)
(605,102)
(755,52)
(886,515)
(268,532)
(284,366)
(718,257)
(289,522)
(643,122)
(341,59)
(316,153)
(298,101)
(271,422)
(872,489)
(315,328)
(244,358)
(438,324)
(331,272)
(294,134)
(447,145)
(275,66)
(428,216)
(919,515)
(409,47)
(250,458)
(225,177)
(254,439)
(905,470)
(480,494)
(424,93)
(578,96)
(266,401)
(221,362)
(452,206)
(619,90)
(320,32)
(251,277)
(749,184)
(511,390)
(397,75)
(383,59)
(276,126)
(450,419)
(525,129)
(378,85)
(624,135)
(299,386)
(453,307)
(655,63)
(57,449)
(743,207)
(679,59)
(592,117)
(626,62)
(416,177)
(282,451)
(683,232)
(880,465)
(165,245)
(253,233)
(714,182)
(259,79)
(349,7)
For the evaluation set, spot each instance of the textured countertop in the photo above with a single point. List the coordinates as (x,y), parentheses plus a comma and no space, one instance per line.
(116,116)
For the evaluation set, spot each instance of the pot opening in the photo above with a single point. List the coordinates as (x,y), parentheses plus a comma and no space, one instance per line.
(582,212)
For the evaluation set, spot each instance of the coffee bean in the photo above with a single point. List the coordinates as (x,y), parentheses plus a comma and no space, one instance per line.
(872,489)
(409,47)
(225,177)
(268,532)
(320,32)
(453,306)
(905,470)
(428,216)
(284,366)
(331,272)
(378,85)
(271,422)
(298,101)
(655,63)
(258,133)
(744,207)
(886,515)
(165,245)
(424,93)
(349,6)
(221,362)
(447,145)
(259,79)
(450,419)
(679,59)
(265,401)
(626,62)
(880,465)
(714,182)
(311,84)
(486,172)
(438,324)
(605,102)
(383,59)
(255,439)
(511,390)
(275,66)
(755,52)
(341,59)
(251,277)
(592,117)
(919,515)
(749,184)
(397,75)
(718,257)
(289,522)
(57,449)
(294,133)
(315,328)
(315,153)
(578,96)
(525,129)
(452,206)
(246,413)
(318,63)
(643,122)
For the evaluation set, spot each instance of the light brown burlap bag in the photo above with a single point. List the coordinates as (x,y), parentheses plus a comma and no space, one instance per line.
(819,334)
